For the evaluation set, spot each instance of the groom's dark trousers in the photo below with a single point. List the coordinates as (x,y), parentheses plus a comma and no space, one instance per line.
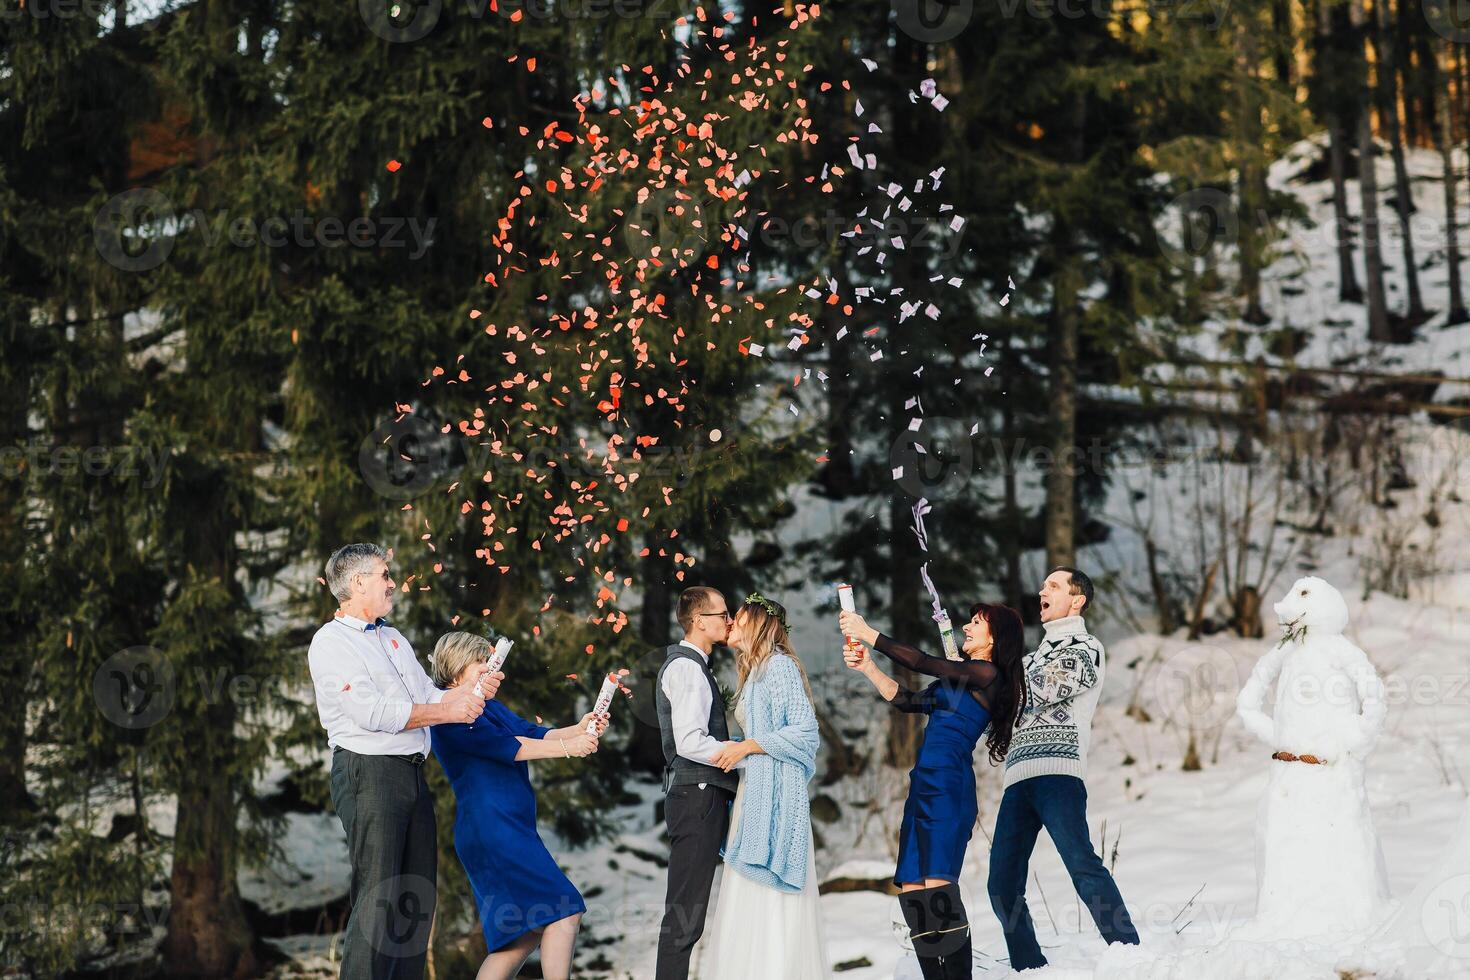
(388,813)
(698,819)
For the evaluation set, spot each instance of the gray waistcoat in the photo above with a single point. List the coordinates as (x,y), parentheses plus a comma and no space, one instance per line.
(679,771)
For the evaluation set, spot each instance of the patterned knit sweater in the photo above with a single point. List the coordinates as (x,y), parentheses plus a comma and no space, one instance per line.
(1065,677)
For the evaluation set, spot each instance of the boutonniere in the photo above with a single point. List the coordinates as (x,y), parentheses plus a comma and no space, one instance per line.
(1292,633)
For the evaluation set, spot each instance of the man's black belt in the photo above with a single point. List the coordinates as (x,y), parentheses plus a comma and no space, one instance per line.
(417,759)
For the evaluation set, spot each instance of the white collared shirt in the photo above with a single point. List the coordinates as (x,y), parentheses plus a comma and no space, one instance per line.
(690,701)
(367,681)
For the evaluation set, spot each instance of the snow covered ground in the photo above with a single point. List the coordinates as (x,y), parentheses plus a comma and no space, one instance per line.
(1182,843)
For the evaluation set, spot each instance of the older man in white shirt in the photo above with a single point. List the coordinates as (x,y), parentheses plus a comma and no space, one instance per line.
(376,702)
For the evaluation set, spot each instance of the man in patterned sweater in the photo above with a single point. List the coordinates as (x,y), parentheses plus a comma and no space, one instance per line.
(1044,771)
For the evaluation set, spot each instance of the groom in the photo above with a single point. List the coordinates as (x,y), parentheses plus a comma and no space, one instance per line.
(692,726)
(1044,771)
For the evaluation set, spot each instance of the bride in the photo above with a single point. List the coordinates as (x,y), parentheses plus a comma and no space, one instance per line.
(768,922)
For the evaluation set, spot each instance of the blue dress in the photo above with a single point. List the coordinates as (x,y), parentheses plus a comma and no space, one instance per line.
(939,814)
(518,886)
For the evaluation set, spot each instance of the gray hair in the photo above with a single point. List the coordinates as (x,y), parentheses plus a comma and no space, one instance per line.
(348,561)
(453,653)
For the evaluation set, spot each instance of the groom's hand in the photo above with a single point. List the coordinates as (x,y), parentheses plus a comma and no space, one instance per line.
(730,754)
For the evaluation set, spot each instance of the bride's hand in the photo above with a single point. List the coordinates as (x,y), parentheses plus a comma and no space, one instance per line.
(730,753)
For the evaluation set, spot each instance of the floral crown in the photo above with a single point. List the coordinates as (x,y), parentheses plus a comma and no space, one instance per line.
(755,598)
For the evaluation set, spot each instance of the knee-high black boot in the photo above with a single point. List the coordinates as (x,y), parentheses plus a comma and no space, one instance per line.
(952,939)
(915,906)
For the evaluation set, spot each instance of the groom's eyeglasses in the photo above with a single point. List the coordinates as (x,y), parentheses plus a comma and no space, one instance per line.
(725,613)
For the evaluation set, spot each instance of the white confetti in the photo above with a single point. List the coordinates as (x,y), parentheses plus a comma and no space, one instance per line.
(842,333)
(869,63)
(1005,300)
(914,424)
(877,355)
(956,223)
(793,409)
(854,156)
(898,472)
(990,370)
(931,311)
(976,427)
(939,102)
(756,350)
(859,106)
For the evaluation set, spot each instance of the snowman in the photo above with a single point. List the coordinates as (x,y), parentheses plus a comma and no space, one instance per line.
(1319,867)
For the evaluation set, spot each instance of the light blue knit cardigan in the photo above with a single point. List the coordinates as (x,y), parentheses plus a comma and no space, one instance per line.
(770,845)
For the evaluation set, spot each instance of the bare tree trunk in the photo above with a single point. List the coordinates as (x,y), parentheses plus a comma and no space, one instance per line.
(1252,182)
(902,744)
(1379,330)
(208,937)
(1281,51)
(1348,290)
(645,748)
(1014,541)
(15,669)
(1444,142)
(1061,479)
(1388,110)
(836,476)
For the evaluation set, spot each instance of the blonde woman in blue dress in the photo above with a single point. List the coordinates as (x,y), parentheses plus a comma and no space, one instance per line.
(768,920)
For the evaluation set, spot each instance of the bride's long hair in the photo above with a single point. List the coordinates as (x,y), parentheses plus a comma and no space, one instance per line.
(764,635)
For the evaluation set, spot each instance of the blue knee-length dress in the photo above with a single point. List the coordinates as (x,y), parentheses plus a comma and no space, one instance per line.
(939,814)
(517,884)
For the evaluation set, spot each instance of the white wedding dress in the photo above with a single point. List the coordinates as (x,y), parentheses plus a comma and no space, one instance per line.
(760,933)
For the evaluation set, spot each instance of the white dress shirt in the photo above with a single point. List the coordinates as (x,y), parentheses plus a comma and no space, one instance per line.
(690,699)
(367,681)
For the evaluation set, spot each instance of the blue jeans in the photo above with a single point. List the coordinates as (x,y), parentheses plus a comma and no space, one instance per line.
(1058,803)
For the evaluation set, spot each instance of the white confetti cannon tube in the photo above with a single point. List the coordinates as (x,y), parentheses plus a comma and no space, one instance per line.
(497,659)
(844,599)
(946,636)
(604,701)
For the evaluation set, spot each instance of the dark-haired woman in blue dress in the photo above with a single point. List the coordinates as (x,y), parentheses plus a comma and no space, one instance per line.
(984,690)
(523,898)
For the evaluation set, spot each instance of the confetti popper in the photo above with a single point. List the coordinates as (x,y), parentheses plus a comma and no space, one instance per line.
(497,659)
(844,599)
(946,635)
(604,701)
